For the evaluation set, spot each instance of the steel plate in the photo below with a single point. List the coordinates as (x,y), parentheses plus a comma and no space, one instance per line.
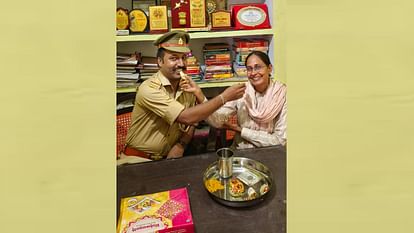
(242,167)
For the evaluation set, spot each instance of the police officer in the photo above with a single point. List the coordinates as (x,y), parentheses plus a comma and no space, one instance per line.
(164,113)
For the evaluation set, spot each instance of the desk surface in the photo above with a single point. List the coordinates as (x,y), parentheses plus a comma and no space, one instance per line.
(208,215)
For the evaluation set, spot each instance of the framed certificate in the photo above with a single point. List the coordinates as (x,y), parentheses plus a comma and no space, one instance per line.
(158,19)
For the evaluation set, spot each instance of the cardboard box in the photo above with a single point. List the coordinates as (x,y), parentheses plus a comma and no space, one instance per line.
(161,212)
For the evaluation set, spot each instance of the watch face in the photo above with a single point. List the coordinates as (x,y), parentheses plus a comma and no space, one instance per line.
(251,16)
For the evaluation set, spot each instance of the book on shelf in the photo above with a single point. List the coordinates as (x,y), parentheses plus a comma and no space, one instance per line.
(192,67)
(224,60)
(240,70)
(241,57)
(125,70)
(118,67)
(197,79)
(127,86)
(126,83)
(127,59)
(191,70)
(218,75)
(147,72)
(127,63)
(147,67)
(216,51)
(209,63)
(218,72)
(242,48)
(217,56)
(148,61)
(249,43)
(223,56)
(217,60)
(250,49)
(218,68)
(145,76)
(127,76)
(216,46)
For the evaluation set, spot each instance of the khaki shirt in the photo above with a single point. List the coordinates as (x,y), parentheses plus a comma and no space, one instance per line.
(153,128)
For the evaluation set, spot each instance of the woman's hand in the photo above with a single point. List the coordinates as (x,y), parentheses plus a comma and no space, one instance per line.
(231,126)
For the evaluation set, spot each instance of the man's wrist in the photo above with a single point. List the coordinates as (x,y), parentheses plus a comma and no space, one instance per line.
(199,95)
(223,100)
(182,143)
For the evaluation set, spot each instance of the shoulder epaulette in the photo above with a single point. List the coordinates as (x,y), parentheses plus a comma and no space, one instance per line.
(154,83)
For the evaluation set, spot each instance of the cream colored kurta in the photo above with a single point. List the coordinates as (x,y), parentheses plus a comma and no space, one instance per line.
(249,138)
(153,127)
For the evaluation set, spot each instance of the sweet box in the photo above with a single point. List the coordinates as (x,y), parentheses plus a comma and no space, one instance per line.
(162,212)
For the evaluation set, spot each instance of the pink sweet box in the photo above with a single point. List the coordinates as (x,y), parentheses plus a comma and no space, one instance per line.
(161,212)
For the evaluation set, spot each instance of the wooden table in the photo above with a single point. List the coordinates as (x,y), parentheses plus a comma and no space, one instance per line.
(208,215)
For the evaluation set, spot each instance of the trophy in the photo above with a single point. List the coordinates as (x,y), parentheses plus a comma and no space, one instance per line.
(211,7)
(122,20)
(221,19)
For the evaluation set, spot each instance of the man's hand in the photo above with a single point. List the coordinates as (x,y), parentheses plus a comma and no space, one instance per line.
(188,85)
(234,92)
(176,151)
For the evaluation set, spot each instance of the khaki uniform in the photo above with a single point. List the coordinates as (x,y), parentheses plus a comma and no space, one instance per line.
(153,128)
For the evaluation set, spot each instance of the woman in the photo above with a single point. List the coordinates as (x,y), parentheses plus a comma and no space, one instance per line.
(261,113)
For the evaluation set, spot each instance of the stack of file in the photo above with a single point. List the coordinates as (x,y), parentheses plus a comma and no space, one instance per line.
(217,59)
(147,66)
(126,70)
(242,48)
(193,68)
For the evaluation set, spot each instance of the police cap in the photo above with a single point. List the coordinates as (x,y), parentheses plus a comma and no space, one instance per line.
(175,41)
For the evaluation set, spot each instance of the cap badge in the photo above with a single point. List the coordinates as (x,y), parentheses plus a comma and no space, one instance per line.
(180,41)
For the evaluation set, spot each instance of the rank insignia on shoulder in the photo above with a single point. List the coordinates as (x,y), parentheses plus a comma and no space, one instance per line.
(154,84)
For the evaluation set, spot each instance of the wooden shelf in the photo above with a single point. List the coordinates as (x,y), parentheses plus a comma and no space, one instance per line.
(220,84)
(201,85)
(125,89)
(200,35)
